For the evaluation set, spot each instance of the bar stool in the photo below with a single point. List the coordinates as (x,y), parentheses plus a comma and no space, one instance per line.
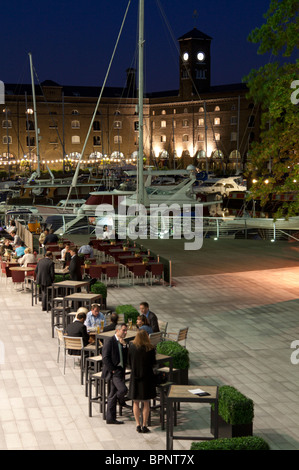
(102,390)
(57,314)
(93,365)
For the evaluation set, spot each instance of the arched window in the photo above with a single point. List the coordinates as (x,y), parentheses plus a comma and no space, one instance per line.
(75,111)
(75,124)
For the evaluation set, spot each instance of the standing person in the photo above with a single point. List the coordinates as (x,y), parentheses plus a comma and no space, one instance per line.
(75,265)
(86,250)
(142,359)
(151,316)
(45,276)
(114,354)
(51,237)
(65,254)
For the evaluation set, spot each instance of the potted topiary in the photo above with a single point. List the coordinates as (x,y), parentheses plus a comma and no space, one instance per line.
(235,413)
(100,288)
(181,361)
(145,260)
(234,443)
(128,311)
(87,263)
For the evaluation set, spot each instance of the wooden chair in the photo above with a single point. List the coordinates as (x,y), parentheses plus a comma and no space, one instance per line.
(163,327)
(156,338)
(59,335)
(72,343)
(178,337)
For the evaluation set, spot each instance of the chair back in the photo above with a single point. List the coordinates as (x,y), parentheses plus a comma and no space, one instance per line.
(156,269)
(59,333)
(73,342)
(163,326)
(95,271)
(155,338)
(139,269)
(112,271)
(182,335)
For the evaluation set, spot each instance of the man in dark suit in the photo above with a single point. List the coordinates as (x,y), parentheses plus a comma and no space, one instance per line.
(114,320)
(45,276)
(75,265)
(114,356)
(78,329)
(151,316)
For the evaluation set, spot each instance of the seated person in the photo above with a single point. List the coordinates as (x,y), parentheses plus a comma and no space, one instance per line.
(16,238)
(20,249)
(143,324)
(114,320)
(78,329)
(86,250)
(28,257)
(6,246)
(51,237)
(94,317)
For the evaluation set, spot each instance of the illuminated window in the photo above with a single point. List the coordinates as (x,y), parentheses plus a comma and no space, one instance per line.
(6,124)
(217,121)
(200,138)
(75,139)
(217,108)
(117,125)
(163,123)
(201,109)
(201,122)
(75,124)
(185,138)
(163,138)
(217,136)
(118,139)
(29,111)
(185,123)
(163,111)
(7,139)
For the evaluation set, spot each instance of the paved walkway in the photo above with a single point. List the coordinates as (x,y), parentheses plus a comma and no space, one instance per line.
(242,323)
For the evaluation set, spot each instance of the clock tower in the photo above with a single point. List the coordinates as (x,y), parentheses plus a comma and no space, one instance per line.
(195,63)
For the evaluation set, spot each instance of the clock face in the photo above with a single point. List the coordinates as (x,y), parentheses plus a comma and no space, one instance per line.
(201,56)
(185,56)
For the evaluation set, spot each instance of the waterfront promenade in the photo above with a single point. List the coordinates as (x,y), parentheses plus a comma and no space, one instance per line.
(240,300)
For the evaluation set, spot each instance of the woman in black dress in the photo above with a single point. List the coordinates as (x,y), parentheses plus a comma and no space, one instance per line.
(142,359)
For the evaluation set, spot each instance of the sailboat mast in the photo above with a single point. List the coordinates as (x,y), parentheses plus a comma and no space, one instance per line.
(35,116)
(140,188)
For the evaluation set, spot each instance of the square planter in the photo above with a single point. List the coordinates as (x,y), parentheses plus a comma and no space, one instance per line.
(230,430)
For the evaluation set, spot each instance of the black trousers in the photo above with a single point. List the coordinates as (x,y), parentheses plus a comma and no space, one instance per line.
(118,392)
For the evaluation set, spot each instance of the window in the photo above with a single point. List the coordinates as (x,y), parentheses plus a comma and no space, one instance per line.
(174,111)
(117,113)
(185,123)
(217,121)
(75,124)
(6,124)
(96,140)
(201,122)
(75,111)
(136,125)
(201,109)
(53,124)
(251,121)
(233,136)
(7,139)
(217,108)
(185,110)
(163,138)
(217,136)
(163,123)
(153,113)
(163,111)
(200,138)
(96,125)
(75,139)
(117,125)
(118,139)
(185,138)
(233,120)
(30,141)
(29,125)
(29,111)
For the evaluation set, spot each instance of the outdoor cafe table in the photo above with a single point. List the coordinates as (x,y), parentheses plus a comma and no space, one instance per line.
(181,393)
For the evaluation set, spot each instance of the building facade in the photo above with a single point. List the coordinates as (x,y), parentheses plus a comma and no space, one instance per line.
(208,126)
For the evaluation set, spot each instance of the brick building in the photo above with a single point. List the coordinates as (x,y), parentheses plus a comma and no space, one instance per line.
(180,127)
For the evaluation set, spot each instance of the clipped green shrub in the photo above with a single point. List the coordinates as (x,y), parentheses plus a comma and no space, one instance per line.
(60,277)
(99,288)
(234,407)
(179,354)
(233,443)
(128,311)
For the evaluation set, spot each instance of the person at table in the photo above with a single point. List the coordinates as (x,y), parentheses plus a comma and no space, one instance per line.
(28,257)
(75,265)
(106,233)
(43,236)
(51,237)
(151,316)
(65,254)
(78,329)
(45,276)
(86,250)
(114,355)
(6,246)
(20,249)
(141,359)
(16,239)
(11,227)
(143,324)
(113,323)
(94,317)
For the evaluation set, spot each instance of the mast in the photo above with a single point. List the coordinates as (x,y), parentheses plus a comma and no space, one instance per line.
(35,116)
(140,188)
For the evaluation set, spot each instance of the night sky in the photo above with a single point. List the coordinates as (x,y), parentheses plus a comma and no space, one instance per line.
(72,41)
